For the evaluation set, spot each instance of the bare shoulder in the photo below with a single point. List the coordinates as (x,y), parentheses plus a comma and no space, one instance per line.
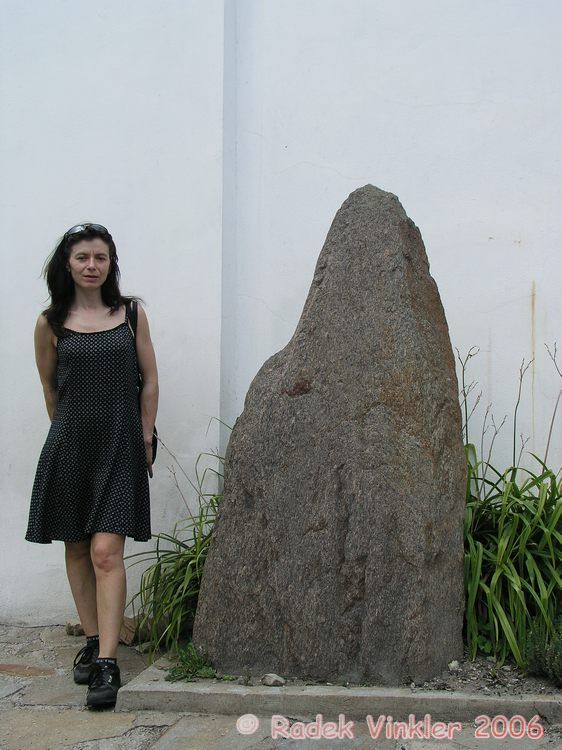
(42,323)
(144,338)
(142,317)
(44,336)
(43,330)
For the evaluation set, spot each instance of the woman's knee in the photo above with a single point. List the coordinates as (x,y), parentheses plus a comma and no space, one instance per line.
(107,551)
(77,550)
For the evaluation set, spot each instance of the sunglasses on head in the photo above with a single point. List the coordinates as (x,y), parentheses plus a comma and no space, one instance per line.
(83,227)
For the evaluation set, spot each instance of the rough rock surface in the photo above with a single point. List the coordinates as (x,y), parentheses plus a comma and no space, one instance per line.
(338,549)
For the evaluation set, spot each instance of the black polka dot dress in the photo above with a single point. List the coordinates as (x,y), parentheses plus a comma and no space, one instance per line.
(92,473)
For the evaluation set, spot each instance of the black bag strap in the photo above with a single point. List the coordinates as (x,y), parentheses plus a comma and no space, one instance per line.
(133,316)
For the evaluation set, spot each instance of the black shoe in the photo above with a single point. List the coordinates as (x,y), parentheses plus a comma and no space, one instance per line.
(103,685)
(83,662)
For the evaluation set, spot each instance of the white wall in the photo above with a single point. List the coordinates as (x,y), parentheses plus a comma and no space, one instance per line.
(220,186)
(111,112)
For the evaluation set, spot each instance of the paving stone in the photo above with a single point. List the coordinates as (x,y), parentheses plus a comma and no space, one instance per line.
(39,729)
(14,633)
(56,635)
(9,686)
(33,653)
(552,740)
(199,732)
(25,670)
(139,738)
(58,690)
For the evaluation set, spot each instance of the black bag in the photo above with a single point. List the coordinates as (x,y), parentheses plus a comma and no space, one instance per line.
(133,316)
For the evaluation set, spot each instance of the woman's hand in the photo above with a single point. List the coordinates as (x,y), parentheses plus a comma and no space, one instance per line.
(148,451)
(149,395)
(46,358)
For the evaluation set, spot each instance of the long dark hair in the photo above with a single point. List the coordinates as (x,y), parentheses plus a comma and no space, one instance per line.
(61,285)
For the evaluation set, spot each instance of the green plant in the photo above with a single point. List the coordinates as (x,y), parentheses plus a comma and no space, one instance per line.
(513,558)
(513,561)
(534,649)
(554,659)
(543,652)
(166,602)
(190,665)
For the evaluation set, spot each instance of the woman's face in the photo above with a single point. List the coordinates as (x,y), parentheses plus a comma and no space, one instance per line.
(89,263)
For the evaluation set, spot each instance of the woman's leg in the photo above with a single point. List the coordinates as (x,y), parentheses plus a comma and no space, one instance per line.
(111,588)
(82,579)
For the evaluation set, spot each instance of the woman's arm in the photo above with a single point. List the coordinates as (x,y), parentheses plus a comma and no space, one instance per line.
(149,395)
(46,360)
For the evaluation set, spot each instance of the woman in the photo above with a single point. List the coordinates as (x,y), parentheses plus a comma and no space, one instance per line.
(91,485)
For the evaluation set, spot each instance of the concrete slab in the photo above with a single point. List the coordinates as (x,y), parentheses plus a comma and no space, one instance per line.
(40,728)
(468,739)
(17,633)
(139,738)
(43,729)
(59,690)
(151,690)
(198,732)
(32,654)
(25,670)
(57,636)
(204,731)
(9,686)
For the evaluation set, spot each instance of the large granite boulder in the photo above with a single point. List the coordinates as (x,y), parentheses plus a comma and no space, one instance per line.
(338,549)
